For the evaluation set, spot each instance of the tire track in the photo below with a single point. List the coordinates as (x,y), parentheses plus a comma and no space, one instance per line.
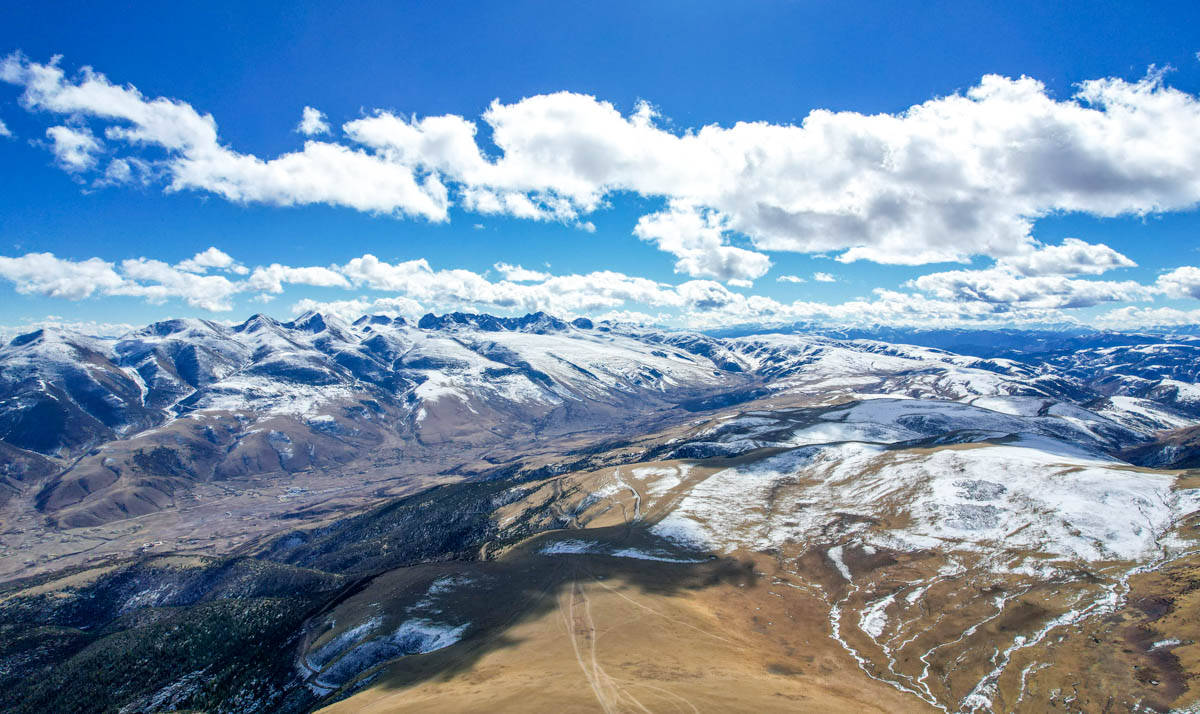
(576,609)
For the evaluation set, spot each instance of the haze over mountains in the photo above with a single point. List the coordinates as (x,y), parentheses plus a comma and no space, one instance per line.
(382,505)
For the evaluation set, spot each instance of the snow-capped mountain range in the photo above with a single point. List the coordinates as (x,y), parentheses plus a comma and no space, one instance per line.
(114,427)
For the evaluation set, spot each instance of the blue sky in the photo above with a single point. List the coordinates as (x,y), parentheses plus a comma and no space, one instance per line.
(713,251)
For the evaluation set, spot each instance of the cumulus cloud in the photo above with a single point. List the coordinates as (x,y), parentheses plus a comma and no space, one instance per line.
(45,274)
(312,122)
(352,309)
(74,149)
(1181,282)
(697,237)
(1001,287)
(210,258)
(271,278)
(790,279)
(824,278)
(953,177)
(560,294)
(517,274)
(1041,277)
(415,280)
(320,173)
(154,280)
(992,296)
(4,130)
(1071,257)
(157,281)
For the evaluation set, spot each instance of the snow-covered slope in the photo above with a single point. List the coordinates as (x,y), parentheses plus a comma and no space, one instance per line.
(954,547)
(940,475)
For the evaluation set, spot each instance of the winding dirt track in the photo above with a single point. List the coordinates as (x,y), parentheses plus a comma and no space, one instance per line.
(611,694)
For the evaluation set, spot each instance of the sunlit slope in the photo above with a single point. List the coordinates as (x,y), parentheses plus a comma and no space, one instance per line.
(565,631)
(874,555)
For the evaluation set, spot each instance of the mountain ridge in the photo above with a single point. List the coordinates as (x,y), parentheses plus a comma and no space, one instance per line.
(134,421)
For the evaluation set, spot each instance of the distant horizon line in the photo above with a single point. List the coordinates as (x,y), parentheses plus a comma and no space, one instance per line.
(510,322)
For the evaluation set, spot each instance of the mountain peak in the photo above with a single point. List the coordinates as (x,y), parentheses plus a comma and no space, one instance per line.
(536,322)
(257,322)
(310,321)
(28,337)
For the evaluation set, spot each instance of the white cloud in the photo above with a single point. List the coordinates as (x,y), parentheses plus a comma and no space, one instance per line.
(212,257)
(1071,257)
(560,294)
(953,177)
(119,171)
(55,322)
(312,122)
(1140,318)
(633,317)
(4,130)
(983,297)
(157,281)
(824,278)
(352,309)
(1041,277)
(45,274)
(516,204)
(945,297)
(697,237)
(154,280)
(517,274)
(320,173)
(75,149)
(790,279)
(1181,282)
(956,176)
(999,286)
(270,279)
(992,296)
